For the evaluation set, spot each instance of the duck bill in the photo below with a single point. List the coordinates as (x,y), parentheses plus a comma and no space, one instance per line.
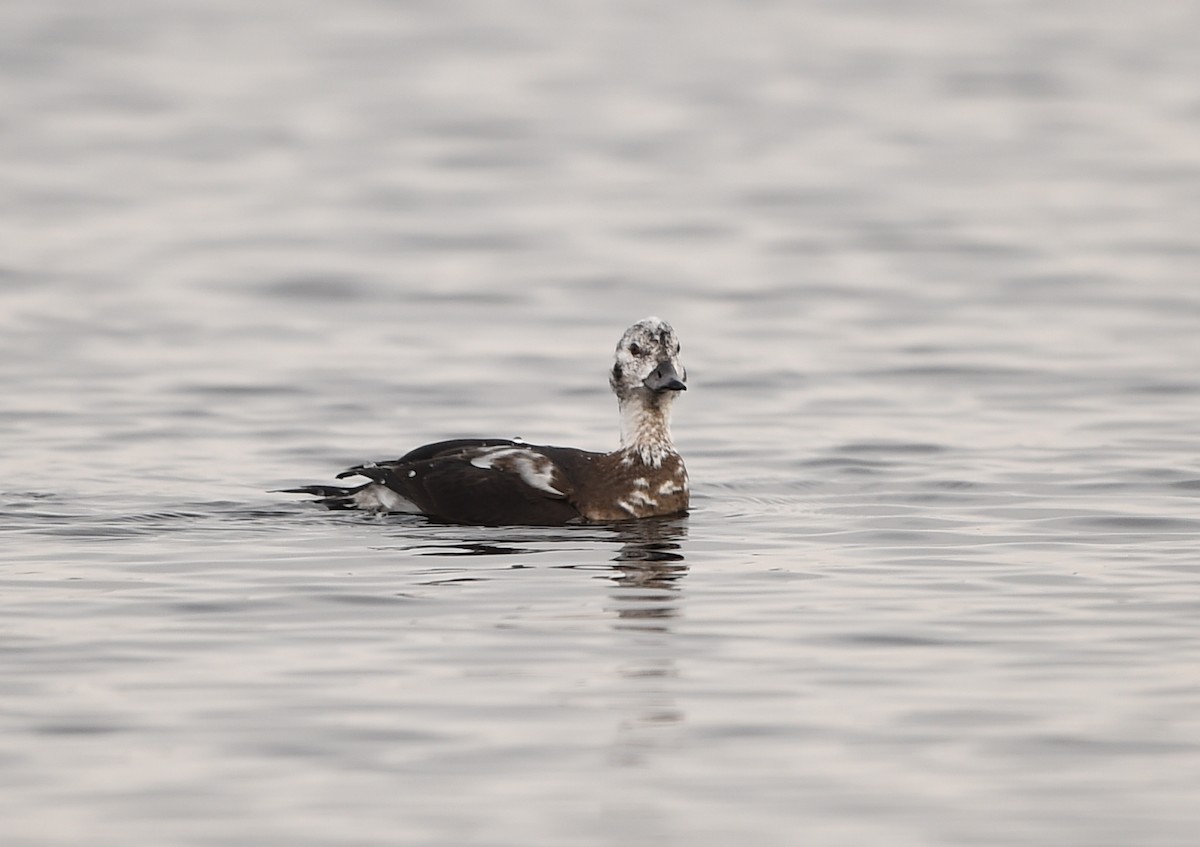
(665,378)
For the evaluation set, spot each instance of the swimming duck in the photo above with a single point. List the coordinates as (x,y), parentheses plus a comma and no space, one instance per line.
(498,481)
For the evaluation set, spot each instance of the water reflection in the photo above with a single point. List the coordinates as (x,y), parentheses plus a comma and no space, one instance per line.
(648,595)
(649,568)
(647,571)
(644,581)
(470,548)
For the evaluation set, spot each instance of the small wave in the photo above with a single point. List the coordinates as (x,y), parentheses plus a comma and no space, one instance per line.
(897,447)
(1138,523)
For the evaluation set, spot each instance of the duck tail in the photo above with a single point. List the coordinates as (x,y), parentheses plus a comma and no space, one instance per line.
(330,496)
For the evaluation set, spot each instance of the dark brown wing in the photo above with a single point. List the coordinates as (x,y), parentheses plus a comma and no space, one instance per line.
(429,451)
(481,481)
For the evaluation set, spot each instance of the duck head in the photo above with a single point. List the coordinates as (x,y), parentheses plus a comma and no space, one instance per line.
(647,360)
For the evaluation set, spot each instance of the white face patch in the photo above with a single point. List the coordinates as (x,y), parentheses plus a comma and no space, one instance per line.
(534,469)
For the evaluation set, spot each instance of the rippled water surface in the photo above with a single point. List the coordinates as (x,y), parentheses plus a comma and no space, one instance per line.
(937,275)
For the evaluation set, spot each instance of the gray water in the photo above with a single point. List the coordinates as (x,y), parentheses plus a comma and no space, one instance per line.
(936,269)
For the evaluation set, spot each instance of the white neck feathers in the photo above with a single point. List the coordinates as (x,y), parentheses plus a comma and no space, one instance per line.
(646,426)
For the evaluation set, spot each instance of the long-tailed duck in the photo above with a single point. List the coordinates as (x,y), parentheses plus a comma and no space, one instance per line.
(495,481)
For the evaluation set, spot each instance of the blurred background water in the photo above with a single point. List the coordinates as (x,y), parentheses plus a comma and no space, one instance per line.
(935,267)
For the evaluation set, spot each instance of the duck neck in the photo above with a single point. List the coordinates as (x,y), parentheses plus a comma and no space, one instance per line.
(646,426)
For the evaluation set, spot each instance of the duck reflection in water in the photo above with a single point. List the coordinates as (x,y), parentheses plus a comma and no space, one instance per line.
(648,566)
(645,589)
(648,569)
(647,575)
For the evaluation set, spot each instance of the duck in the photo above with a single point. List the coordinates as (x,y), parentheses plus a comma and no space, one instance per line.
(501,481)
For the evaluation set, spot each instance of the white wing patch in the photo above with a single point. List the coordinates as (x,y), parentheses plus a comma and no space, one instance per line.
(377,497)
(535,470)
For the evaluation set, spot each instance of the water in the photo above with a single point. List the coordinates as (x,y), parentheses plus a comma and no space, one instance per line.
(934,267)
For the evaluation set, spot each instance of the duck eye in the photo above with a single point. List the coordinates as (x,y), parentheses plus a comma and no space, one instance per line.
(635,349)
